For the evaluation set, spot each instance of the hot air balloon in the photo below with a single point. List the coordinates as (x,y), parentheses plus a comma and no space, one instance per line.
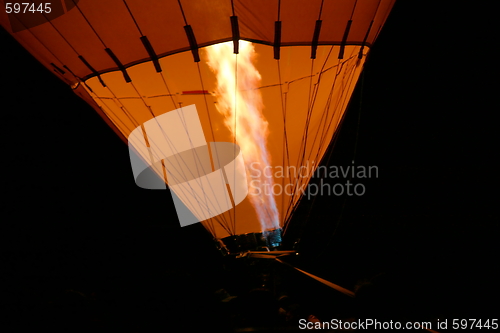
(263,84)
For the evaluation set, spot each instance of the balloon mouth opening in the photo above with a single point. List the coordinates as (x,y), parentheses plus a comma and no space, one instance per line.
(269,240)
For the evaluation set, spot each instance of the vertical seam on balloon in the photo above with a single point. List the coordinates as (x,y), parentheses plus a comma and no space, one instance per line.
(145,41)
(133,18)
(320,10)
(182,12)
(232,7)
(90,25)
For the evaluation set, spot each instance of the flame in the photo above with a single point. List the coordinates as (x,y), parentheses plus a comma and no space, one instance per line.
(239,100)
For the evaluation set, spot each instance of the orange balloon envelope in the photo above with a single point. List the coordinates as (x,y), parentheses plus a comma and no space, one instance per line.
(242,95)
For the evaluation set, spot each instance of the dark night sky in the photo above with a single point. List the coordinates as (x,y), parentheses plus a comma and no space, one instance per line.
(73,219)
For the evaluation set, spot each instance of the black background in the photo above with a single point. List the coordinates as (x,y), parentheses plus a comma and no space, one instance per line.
(77,231)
